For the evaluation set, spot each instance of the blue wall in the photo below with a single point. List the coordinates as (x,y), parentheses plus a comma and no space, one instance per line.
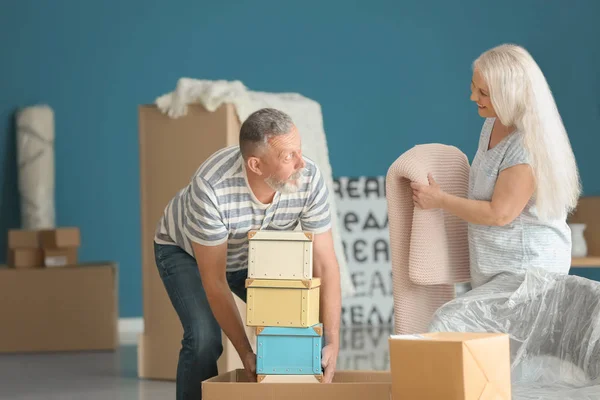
(388,74)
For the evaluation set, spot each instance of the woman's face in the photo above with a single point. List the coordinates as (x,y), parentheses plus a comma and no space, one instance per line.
(480,94)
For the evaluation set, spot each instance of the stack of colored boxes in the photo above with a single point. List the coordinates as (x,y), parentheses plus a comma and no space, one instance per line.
(283,305)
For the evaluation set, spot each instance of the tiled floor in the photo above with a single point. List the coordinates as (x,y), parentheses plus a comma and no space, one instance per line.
(107,376)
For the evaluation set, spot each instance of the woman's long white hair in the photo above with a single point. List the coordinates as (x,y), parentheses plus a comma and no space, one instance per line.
(522,98)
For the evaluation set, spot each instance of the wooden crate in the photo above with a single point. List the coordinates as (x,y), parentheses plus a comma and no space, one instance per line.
(289,351)
(289,303)
(280,254)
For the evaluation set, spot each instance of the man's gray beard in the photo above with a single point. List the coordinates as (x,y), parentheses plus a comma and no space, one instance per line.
(285,187)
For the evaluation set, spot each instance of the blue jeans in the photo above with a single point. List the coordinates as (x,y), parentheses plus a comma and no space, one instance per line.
(201,344)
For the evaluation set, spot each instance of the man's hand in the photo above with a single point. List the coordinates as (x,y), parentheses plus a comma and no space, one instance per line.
(212,263)
(329,356)
(249,362)
(326,267)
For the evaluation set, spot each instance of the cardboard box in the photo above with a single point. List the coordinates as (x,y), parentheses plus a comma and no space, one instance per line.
(24,249)
(59,309)
(23,239)
(194,138)
(346,385)
(60,246)
(267,249)
(43,248)
(25,258)
(60,257)
(291,303)
(60,238)
(450,366)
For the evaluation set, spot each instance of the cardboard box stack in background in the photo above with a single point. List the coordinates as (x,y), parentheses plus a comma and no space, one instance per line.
(43,248)
(283,304)
(51,301)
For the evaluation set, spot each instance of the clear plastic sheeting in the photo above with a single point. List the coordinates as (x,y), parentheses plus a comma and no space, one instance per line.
(554,326)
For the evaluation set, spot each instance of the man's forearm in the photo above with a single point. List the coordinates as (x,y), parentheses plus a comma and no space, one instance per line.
(331,302)
(227,315)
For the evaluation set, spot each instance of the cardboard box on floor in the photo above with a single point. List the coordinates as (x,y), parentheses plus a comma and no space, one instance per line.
(450,366)
(346,385)
(171,150)
(59,309)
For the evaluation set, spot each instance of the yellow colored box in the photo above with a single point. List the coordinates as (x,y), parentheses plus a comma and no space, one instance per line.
(273,302)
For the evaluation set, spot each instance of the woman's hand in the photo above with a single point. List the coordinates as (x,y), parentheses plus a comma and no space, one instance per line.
(427,196)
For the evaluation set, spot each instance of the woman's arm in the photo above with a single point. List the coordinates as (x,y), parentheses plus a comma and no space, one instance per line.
(514,187)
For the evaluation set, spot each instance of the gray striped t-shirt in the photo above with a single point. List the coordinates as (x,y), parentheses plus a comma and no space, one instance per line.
(218,205)
(527,241)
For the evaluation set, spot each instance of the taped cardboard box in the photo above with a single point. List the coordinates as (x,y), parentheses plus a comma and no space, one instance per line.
(450,366)
(60,238)
(346,385)
(61,257)
(57,247)
(60,246)
(59,309)
(25,258)
(23,239)
(24,249)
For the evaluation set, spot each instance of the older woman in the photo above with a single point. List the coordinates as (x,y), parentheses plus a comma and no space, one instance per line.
(524,179)
(523,183)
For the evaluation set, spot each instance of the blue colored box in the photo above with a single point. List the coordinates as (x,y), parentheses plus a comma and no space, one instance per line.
(289,351)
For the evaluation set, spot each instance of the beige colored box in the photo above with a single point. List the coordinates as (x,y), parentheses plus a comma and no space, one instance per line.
(450,366)
(291,303)
(25,258)
(289,378)
(346,385)
(190,140)
(280,254)
(59,309)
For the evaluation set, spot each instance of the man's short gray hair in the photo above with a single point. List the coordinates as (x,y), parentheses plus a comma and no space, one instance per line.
(260,125)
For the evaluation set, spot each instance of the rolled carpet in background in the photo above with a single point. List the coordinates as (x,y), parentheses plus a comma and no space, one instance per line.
(35,158)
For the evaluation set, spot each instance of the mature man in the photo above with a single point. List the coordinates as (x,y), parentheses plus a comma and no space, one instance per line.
(201,244)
